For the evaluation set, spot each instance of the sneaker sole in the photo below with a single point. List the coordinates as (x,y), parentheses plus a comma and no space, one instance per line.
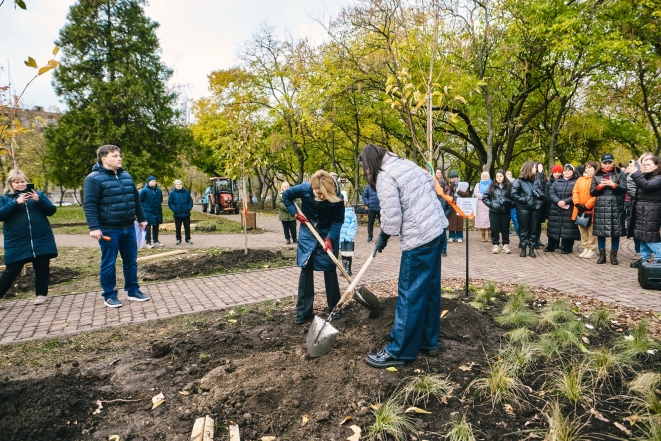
(113,306)
(135,299)
(378,365)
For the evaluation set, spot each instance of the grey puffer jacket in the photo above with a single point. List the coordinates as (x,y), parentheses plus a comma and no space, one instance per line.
(646,212)
(608,218)
(409,206)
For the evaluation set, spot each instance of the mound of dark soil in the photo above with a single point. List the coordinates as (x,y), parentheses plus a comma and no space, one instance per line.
(206,264)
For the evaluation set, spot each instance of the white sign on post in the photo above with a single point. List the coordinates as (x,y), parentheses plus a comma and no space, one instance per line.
(467,205)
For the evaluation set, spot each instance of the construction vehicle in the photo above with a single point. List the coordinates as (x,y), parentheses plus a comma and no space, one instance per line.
(224,196)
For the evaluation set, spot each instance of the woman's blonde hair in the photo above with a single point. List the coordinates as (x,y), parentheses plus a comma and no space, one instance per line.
(324,182)
(13,176)
(282,186)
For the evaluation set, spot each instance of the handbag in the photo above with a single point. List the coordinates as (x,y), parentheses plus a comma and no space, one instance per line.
(583,220)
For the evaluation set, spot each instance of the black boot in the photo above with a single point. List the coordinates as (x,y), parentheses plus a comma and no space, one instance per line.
(345,265)
(349,260)
(602,257)
(614,257)
(532,252)
(523,251)
(636,263)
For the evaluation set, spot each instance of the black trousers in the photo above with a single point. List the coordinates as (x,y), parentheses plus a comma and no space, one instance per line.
(371,217)
(41,267)
(306,290)
(500,223)
(290,229)
(528,222)
(148,235)
(567,245)
(177,225)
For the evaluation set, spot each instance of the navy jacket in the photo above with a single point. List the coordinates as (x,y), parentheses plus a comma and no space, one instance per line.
(111,200)
(26,229)
(371,199)
(151,200)
(180,202)
(327,217)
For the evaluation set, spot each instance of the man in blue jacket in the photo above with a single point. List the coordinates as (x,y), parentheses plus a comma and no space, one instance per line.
(112,204)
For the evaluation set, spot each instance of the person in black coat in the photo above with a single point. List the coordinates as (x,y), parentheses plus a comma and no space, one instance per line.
(181,204)
(556,173)
(498,199)
(560,224)
(646,210)
(528,193)
(28,236)
(151,198)
(609,185)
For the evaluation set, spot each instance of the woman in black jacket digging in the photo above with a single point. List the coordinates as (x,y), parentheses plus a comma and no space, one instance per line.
(528,193)
(498,199)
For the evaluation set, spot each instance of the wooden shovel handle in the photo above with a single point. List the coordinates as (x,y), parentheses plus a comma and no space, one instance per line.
(355,281)
(321,241)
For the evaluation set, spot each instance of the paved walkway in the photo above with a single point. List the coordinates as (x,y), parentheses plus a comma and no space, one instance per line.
(68,314)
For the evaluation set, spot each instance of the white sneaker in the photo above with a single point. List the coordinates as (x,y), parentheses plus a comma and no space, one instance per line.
(158,244)
(39,300)
(149,246)
(583,253)
(459,240)
(506,249)
(590,254)
(496,249)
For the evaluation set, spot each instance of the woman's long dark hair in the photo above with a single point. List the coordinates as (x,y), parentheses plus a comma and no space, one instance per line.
(371,157)
(528,171)
(506,184)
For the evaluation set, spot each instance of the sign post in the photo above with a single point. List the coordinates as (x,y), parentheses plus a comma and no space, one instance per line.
(469,207)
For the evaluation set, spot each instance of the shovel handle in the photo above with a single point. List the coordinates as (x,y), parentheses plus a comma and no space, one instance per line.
(321,241)
(352,287)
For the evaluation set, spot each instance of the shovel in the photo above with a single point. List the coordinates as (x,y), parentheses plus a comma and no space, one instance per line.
(322,334)
(363,296)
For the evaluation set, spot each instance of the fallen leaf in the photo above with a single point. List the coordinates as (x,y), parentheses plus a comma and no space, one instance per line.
(509,409)
(589,326)
(183,392)
(633,419)
(418,371)
(391,369)
(304,419)
(586,340)
(64,325)
(114,438)
(598,415)
(416,410)
(467,366)
(346,418)
(454,413)
(231,321)
(622,428)
(98,409)
(157,400)
(356,434)
(445,311)
(444,400)
(376,406)
(267,438)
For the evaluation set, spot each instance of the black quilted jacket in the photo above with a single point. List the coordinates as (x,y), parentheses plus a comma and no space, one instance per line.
(528,195)
(560,224)
(646,212)
(498,199)
(609,214)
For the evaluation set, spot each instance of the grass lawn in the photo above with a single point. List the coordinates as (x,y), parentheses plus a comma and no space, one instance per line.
(71,220)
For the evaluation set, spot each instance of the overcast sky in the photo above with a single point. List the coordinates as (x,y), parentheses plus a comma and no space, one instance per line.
(196,36)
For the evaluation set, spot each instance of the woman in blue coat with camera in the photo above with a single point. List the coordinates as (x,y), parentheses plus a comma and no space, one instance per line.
(321,205)
(27,233)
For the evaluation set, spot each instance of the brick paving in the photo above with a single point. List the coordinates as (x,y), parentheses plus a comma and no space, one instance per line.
(73,313)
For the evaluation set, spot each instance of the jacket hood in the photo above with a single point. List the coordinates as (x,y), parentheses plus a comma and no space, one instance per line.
(151,178)
(99,167)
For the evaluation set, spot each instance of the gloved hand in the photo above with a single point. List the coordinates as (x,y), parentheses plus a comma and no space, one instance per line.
(328,245)
(581,207)
(302,219)
(381,241)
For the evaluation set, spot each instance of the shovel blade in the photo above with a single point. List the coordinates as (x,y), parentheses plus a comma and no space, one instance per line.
(321,337)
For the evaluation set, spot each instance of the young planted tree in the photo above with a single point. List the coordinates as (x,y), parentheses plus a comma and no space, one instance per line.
(113,83)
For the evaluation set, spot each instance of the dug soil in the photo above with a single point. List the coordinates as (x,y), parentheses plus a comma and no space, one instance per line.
(253,370)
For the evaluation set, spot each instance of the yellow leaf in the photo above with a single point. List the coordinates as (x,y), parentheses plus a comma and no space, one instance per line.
(304,419)
(183,392)
(157,400)
(376,406)
(53,63)
(391,369)
(44,69)
(31,63)
(268,438)
(346,418)
(443,313)
(509,409)
(231,321)
(356,434)
(467,366)
(114,438)
(56,49)
(460,99)
(416,410)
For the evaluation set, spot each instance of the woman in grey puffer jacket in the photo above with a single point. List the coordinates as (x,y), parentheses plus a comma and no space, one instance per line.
(409,208)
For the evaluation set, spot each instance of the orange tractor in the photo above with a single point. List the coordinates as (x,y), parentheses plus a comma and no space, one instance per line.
(223,197)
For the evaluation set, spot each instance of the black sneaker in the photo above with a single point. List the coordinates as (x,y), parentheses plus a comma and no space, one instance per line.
(138,296)
(178,242)
(382,360)
(299,320)
(444,253)
(112,302)
(189,242)
(288,242)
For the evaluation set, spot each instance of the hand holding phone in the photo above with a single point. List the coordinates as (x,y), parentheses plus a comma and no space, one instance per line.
(29,188)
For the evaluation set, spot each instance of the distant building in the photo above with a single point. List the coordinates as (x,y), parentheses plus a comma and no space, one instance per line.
(36,119)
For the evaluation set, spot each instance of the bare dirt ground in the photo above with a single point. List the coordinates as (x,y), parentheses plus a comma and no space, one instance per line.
(250,366)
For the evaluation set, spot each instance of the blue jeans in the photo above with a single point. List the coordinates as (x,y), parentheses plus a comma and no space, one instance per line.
(122,241)
(615,243)
(515,220)
(456,235)
(444,241)
(646,248)
(417,314)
